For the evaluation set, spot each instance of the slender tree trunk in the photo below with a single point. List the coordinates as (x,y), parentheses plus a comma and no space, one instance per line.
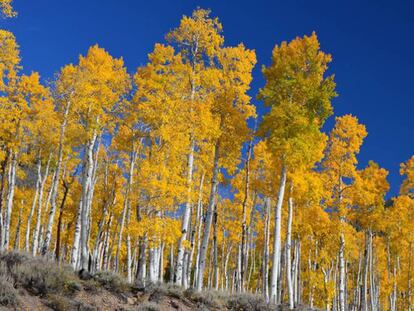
(209,219)
(125,211)
(372,273)
(186,217)
(9,200)
(215,250)
(16,245)
(171,263)
(59,225)
(288,250)
(142,271)
(86,195)
(191,255)
(36,232)
(243,267)
(55,182)
(265,286)
(364,303)
(106,247)
(76,238)
(4,165)
(32,209)
(161,263)
(277,237)
(199,224)
(226,273)
(342,273)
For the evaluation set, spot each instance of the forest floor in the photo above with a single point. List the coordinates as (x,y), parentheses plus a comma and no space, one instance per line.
(28,283)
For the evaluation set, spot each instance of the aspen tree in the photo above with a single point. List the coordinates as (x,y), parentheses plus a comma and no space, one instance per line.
(340,162)
(300,96)
(231,109)
(100,82)
(198,40)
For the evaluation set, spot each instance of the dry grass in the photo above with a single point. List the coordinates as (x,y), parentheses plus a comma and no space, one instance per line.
(60,288)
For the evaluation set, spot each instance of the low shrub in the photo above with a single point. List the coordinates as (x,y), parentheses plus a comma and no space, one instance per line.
(111,281)
(208,298)
(12,259)
(8,294)
(42,277)
(248,302)
(164,289)
(148,306)
(61,303)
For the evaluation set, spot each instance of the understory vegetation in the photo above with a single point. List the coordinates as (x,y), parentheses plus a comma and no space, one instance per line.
(61,288)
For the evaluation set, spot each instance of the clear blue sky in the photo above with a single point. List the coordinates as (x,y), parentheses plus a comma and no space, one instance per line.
(371,43)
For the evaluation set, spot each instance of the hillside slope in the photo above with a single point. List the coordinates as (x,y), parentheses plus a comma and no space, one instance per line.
(28,283)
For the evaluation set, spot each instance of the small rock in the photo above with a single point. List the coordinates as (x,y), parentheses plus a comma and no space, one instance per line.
(174,304)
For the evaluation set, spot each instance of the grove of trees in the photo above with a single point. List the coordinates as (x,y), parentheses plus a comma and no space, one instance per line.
(157,176)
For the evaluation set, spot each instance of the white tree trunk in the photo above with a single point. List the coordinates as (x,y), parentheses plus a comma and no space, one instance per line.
(125,210)
(161,262)
(199,224)
(244,248)
(86,196)
(265,272)
(142,262)
(16,245)
(209,219)
(76,238)
(55,183)
(10,197)
(186,218)
(36,232)
(342,273)
(32,209)
(129,259)
(276,238)
(171,263)
(288,251)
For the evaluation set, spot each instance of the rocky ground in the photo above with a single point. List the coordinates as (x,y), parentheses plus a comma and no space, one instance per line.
(28,283)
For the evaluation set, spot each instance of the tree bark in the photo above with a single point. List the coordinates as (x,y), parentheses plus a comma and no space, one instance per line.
(55,182)
(32,209)
(199,224)
(209,219)
(36,232)
(265,272)
(59,225)
(186,218)
(125,211)
(86,195)
(9,200)
(288,250)
(277,237)
(244,255)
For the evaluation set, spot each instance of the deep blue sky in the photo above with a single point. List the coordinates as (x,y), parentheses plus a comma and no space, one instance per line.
(371,43)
